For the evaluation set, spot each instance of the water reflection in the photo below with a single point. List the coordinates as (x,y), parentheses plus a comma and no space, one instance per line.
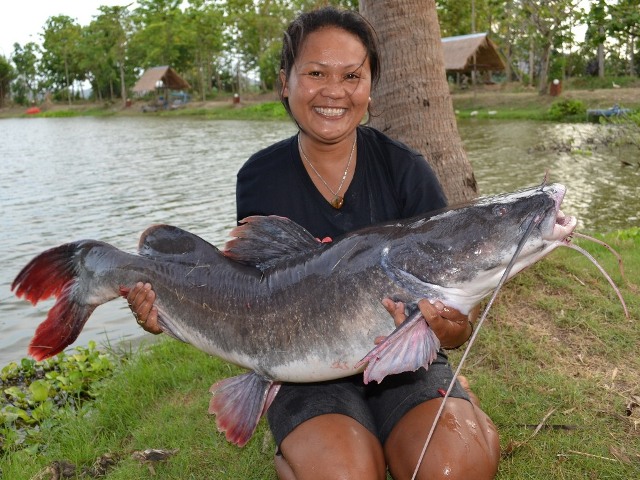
(602,192)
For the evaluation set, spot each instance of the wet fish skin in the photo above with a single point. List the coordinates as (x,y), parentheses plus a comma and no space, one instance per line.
(287,307)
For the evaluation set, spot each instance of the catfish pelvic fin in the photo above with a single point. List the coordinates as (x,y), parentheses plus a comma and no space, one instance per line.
(239,402)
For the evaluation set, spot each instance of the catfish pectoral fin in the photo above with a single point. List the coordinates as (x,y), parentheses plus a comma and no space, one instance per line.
(239,402)
(410,346)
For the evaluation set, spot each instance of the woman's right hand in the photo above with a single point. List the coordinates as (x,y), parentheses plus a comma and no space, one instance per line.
(141,298)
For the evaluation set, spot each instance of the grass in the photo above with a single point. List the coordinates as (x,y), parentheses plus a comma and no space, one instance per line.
(556,353)
(257,111)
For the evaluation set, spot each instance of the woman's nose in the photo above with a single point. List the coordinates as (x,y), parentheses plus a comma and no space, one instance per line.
(334,87)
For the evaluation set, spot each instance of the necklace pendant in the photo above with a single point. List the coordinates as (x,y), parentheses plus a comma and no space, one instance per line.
(337,202)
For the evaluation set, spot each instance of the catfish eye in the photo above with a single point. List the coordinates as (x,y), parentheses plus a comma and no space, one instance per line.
(500,210)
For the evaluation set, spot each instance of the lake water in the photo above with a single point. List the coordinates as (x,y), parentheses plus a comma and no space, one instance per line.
(109,178)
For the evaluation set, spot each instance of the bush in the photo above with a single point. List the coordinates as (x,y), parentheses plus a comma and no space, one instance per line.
(566,109)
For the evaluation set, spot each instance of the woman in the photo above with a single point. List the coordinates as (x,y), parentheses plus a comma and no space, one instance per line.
(333,177)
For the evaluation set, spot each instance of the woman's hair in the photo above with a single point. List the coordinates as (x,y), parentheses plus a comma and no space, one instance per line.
(309,22)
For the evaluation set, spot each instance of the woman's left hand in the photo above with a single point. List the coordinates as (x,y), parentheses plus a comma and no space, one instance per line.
(452,327)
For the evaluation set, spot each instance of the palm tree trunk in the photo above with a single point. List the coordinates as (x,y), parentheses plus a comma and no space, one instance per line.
(412,102)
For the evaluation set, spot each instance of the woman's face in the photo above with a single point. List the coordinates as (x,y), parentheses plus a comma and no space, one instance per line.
(329,85)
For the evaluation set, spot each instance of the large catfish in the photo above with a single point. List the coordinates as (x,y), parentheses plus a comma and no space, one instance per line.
(292,309)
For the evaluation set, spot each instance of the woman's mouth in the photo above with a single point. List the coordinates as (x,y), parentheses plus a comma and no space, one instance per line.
(330,111)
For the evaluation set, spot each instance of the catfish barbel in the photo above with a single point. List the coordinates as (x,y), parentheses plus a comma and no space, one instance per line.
(289,308)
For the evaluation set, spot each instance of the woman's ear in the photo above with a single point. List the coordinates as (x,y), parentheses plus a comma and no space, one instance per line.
(283,82)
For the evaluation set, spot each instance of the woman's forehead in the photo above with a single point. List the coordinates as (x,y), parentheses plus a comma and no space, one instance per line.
(331,44)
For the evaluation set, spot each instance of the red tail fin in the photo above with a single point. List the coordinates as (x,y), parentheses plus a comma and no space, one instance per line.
(47,274)
(52,273)
(61,328)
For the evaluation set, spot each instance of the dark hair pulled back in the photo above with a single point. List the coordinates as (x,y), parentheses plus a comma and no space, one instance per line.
(309,22)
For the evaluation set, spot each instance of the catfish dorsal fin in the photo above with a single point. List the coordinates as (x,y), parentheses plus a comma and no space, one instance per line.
(263,241)
(168,242)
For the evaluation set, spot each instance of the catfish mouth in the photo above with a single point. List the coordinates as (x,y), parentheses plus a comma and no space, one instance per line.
(563,226)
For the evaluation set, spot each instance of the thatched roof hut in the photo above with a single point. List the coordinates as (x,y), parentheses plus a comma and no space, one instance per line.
(161,78)
(459,54)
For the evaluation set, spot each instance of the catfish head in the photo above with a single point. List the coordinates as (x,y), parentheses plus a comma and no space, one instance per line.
(460,254)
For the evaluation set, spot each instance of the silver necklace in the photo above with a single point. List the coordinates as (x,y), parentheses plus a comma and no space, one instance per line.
(338,200)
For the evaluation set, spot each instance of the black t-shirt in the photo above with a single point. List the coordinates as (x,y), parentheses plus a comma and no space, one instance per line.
(390,182)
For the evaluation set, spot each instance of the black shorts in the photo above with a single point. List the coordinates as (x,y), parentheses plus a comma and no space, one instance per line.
(376,406)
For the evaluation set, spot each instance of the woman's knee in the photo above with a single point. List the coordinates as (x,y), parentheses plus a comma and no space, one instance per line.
(332,447)
(464,445)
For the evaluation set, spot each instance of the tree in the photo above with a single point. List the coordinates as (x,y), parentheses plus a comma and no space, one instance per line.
(161,35)
(206,25)
(98,62)
(7,74)
(62,53)
(507,31)
(550,23)
(105,44)
(412,101)
(26,61)
(596,32)
(625,26)
(257,34)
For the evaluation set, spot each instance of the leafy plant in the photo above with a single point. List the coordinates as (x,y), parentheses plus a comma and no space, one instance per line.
(568,108)
(33,392)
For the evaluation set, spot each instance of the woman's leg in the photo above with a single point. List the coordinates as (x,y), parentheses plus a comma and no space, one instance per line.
(330,446)
(465,443)
(325,430)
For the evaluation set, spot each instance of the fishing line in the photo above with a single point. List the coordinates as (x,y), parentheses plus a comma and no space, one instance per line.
(534,222)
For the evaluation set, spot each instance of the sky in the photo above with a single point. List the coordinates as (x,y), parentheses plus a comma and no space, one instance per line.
(24,20)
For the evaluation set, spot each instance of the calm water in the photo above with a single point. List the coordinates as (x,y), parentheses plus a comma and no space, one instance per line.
(108,179)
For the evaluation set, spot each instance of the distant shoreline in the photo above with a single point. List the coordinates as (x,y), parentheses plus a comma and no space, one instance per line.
(502,102)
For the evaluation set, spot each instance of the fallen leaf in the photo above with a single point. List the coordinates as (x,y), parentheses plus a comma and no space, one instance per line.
(57,470)
(153,454)
(633,402)
(616,452)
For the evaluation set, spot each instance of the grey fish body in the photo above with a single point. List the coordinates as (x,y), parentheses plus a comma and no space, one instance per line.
(312,322)
(290,308)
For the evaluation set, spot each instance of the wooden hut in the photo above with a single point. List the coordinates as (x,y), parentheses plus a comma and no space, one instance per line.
(471,54)
(159,78)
